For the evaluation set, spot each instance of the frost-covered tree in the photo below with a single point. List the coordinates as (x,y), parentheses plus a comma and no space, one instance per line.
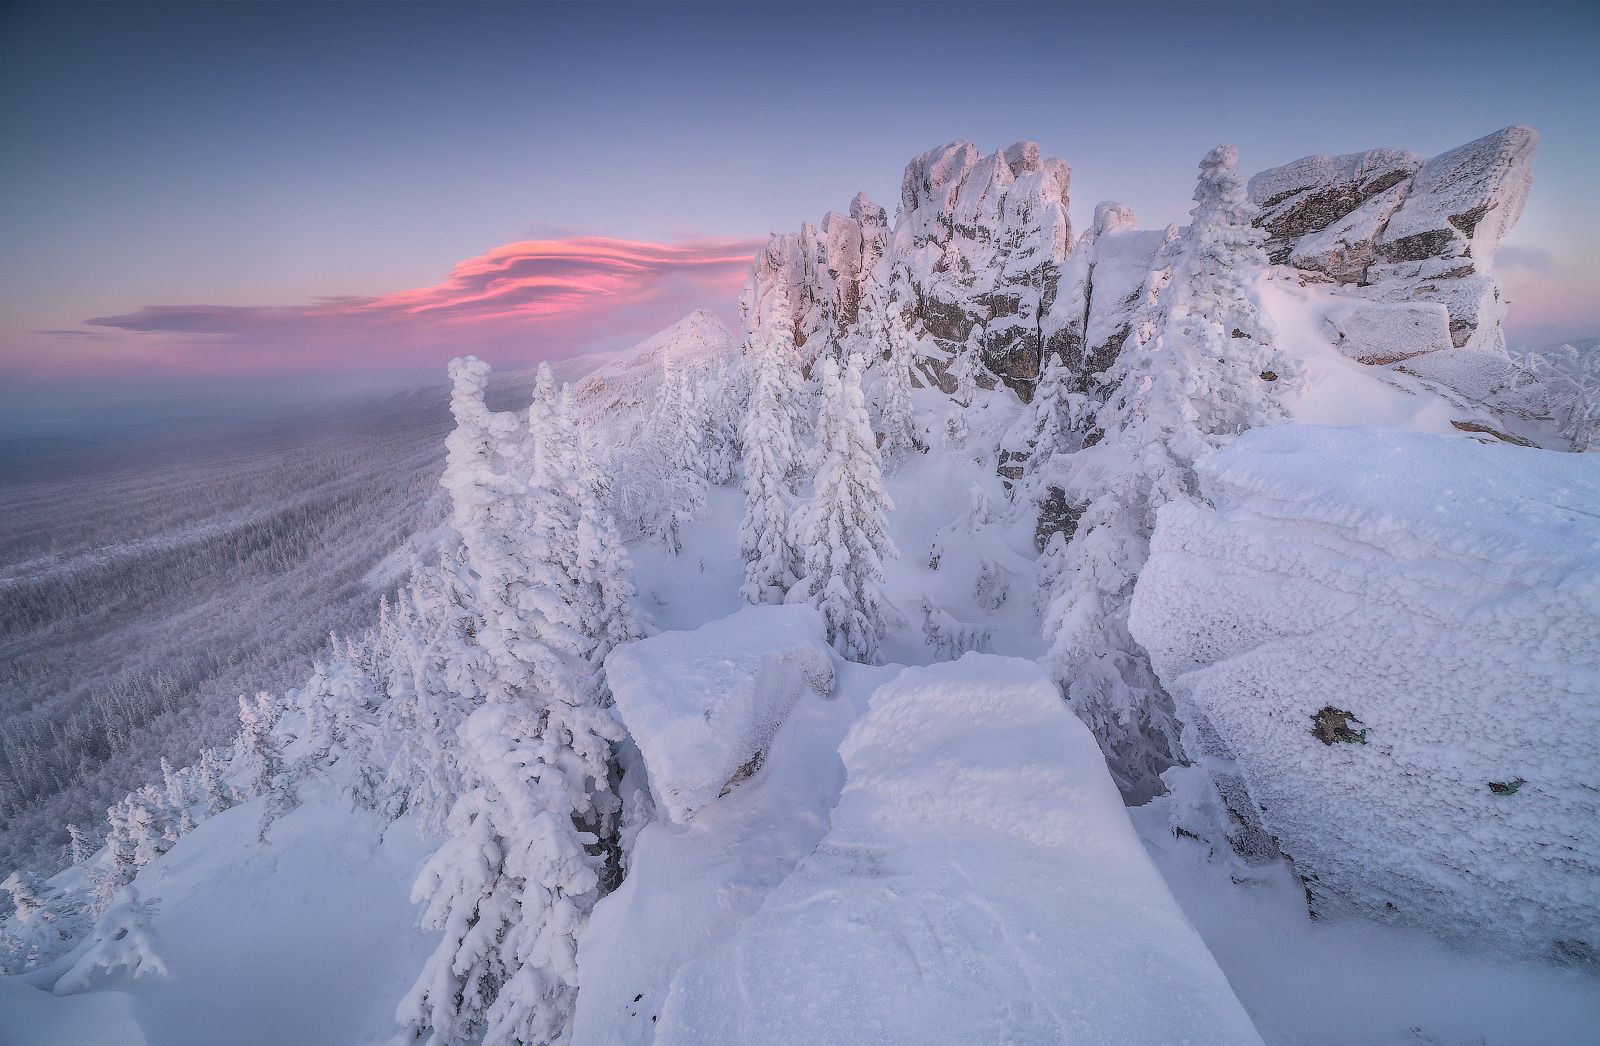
(766,541)
(897,414)
(681,426)
(1200,369)
(211,770)
(442,673)
(1563,385)
(121,940)
(965,367)
(79,848)
(606,596)
(845,528)
(512,884)
(1055,419)
(259,751)
(725,404)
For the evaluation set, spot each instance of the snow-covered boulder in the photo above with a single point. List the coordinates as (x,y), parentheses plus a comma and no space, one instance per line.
(980,883)
(1397,636)
(1462,202)
(701,705)
(1404,231)
(1379,333)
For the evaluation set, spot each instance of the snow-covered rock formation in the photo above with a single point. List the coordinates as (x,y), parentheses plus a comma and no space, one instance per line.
(1396,229)
(1395,635)
(980,883)
(982,248)
(978,243)
(702,705)
(1102,286)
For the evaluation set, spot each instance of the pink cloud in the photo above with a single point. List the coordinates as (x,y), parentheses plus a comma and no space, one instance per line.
(535,299)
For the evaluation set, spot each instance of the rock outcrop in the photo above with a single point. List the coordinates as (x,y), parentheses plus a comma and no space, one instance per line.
(983,243)
(978,243)
(1102,285)
(1398,230)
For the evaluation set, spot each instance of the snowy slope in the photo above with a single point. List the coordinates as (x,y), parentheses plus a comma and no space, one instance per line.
(980,883)
(308,937)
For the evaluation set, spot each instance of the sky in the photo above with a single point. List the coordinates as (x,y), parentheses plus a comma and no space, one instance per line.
(211,206)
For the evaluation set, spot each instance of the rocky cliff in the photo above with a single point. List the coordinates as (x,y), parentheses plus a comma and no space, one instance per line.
(983,243)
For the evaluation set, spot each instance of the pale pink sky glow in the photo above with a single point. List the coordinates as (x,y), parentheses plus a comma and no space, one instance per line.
(523,301)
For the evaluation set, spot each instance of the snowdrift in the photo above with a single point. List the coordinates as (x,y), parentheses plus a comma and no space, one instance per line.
(703,704)
(980,883)
(1396,635)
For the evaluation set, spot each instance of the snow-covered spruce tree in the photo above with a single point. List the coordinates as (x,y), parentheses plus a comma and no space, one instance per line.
(965,367)
(606,598)
(79,848)
(766,542)
(1207,372)
(442,673)
(121,940)
(211,770)
(512,884)
(1056,417)
(845,532)
(257,748)
(897,415)
(681,425)
(724,408)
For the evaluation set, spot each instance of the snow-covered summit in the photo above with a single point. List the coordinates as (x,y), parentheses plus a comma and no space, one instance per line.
(698,342)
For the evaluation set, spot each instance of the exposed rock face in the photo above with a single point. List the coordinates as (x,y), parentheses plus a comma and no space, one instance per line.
(1102,285)
(1308,195)
(984,241)
(979,242)
(824,273)
(1404,231)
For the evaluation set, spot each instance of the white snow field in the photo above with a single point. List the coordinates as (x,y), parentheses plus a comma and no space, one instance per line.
(1441,598)
(700,705)
(308,937)
(980,882)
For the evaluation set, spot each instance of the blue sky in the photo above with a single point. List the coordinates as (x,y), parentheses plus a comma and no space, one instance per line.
(270,156)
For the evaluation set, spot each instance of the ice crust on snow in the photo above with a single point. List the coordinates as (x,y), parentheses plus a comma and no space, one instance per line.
(1445,594)
(980,882)
(701,704)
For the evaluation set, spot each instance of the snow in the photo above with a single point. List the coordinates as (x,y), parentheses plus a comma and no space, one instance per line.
(980,882)
(701,704)
(1378,333)
(1341,979)
(1471,194)
(690,887)
(309,937)
(1444,593)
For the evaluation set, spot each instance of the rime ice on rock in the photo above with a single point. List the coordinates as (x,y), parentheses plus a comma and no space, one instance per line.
(1442,593)
(1400,231)
(702,704)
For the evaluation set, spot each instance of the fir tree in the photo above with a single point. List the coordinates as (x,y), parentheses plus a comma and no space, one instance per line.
(765,534)
(898,415)
(523,863)
(965,367)
(1199,369)
(845,527)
